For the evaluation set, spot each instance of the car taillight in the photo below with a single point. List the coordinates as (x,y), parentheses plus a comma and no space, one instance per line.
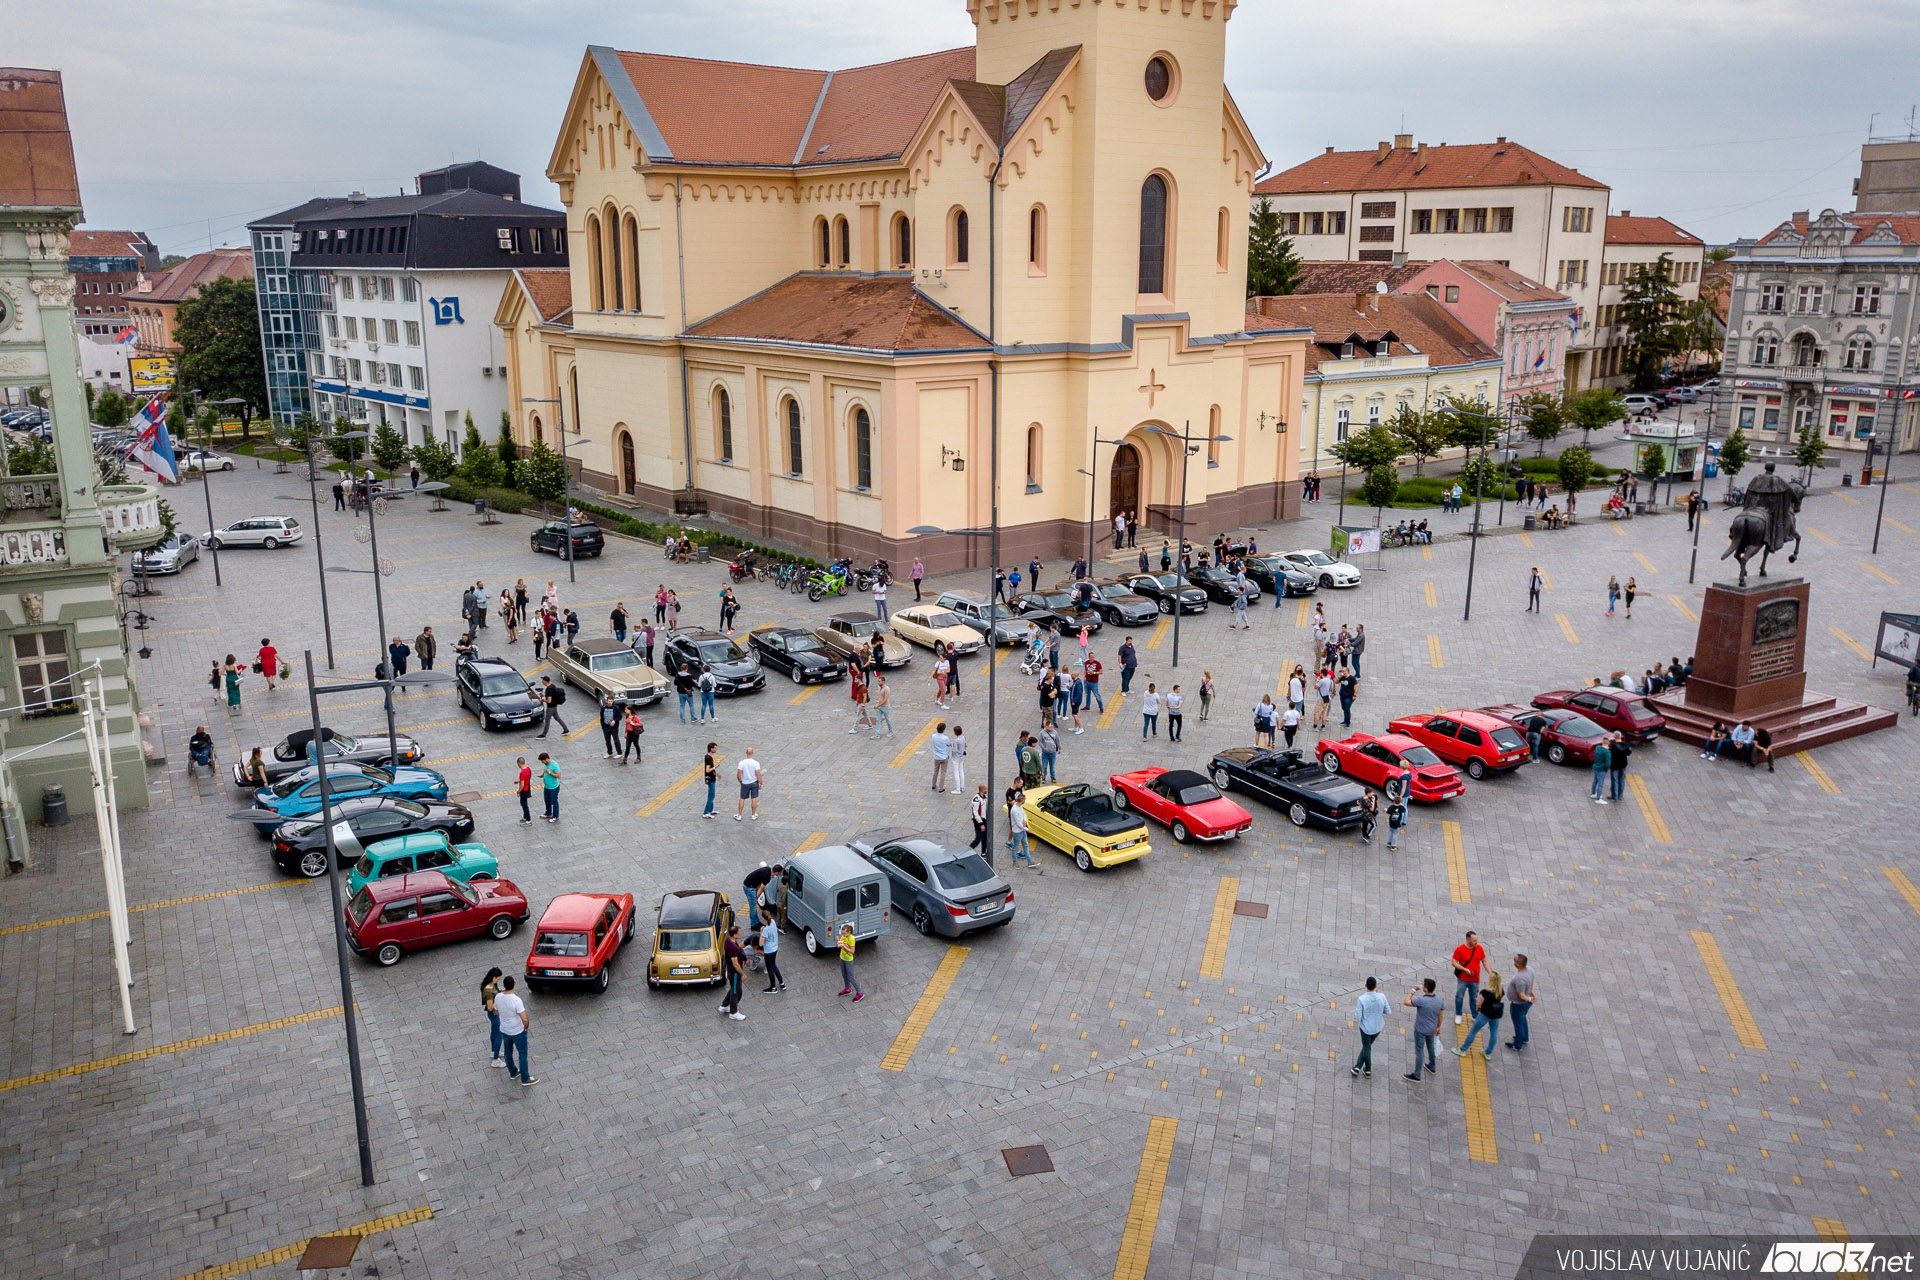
(1009,897)
(955,911)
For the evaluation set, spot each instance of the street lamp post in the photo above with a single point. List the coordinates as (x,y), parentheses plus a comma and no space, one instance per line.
(1886,468)
(1473,534)
(566,477)
(319,554)
(379,602)
(1093,485)
(1190,445)
(1700,516)
(206,489)
(993,657)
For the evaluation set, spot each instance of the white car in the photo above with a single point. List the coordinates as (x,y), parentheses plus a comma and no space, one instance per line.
(1330,572)
(256,531)
(171,556)
(1642,403)
(201,460)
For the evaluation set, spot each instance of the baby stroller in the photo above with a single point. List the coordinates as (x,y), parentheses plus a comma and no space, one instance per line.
(1036,660)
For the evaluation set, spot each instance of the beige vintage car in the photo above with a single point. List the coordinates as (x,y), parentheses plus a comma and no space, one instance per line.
(607,666)
(923,624)
(845,632)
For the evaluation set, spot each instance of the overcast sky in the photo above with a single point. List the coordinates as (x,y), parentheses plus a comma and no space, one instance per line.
(192,116)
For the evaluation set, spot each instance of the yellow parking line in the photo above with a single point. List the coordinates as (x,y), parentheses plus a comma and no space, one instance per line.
(1143,1213)
(1736,1004)
(1812,766)
(148,906)
(813,841)
(1823,537)
(1905,886)
(584,729)
(924,1008)
(1426,553)
(177,1046)
(1113,709)
(1620,527)
(1645,563)
(1482,1145)
(1831,1230)
(674,788)
(1844,498)
(1006,651)
(1213,961)
(1566,628)
(914,743)
(1685,612)
(1546,579)
(480,755)
(1433,652)
(1526,540)
(1458,889)
(1433,602)
(1896,524)
(1851,643)
(1884,577)
(804,694)
(432,724)
(343,706)
(1303,614)
(1160,629)
(288,1252)
(1656,825)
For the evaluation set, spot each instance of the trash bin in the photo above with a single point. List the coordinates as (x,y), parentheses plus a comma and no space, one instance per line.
(1639,508)
(53,805)
(1531,523)
(479,506)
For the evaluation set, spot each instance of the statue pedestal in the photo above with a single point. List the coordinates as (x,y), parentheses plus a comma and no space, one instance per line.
(1750,664)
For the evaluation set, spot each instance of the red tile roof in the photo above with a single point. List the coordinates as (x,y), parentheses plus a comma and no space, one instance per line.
(550,289)
(834,309)
(1625,229)
(36,148)
(186,279)
(1481,164)
(89,243)
(1352,277)
(1906,227)
(1510,284)
(1413,324)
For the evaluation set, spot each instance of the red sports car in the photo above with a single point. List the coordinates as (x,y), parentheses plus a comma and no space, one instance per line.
(1185,801)
(1610,708)
(577,938)
(1477,742)
(1373,758)
(391,917)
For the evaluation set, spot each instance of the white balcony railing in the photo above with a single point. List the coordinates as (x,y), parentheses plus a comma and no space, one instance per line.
(130,514)
(35,544)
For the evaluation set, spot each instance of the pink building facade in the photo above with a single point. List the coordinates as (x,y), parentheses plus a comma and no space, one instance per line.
(1530,325)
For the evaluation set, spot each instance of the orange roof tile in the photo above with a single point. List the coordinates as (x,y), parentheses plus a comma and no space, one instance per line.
(185,280)
(872,112)
(90,243)
(1412,324)
(1510,284)
(1626,229)
(36,148)
(1907,228)
(1481,164)
(1352,277)
(834,309)
(550,289)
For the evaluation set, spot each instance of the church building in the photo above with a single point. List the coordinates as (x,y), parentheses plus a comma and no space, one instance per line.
(809,301)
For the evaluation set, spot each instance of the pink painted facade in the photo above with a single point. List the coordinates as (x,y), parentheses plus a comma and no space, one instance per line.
(1530,325)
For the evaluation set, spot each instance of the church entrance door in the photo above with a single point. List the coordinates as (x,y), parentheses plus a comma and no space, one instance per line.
(1123,489)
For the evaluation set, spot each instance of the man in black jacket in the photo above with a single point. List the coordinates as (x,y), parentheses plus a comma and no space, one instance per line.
(554,696)
(1618,751)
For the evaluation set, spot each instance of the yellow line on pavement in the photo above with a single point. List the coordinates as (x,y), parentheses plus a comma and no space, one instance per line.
(480,755)
(675,787)
(1620,527)
(1303,614)
(804,694)
(813,841)
(1482,1145)
(1426,589)
(1458,889)
(1656,825)
(1644,562)
(1845,498)
(1883,576)
(433,724)
(148,906)
(1823,537)
(1160,629)
(1566,628)
(288,1252)
(1905,886)
(1006,651)
(343,706)
(1812,766)
(1213,961)
(914,743)
(1546,579)
(901,1051)
(178,1046)
(1113,709)
(1896,524)
(1685,612)
(1426,553)
(1851,643)
(1143,1213)
(1526,540)
(1736,1004)
(1433,652)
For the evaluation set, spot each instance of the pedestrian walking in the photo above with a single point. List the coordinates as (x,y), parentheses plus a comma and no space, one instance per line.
(1602,765)
(942,669)
(523,787)
(610,724)
(846,965)
(1396,809)
(942,748)
(1048,740)
(881,698)
(572,626)
(1076,695)
(770,953)
(232,677)
(339,496)
(554,696)
(1349,688)
(1359,645)
(1492,1009)
(673,609)
(1176,706)
(857,690)
(1613,594)
(880,598)
(659,604)
(708,684)
(550,784)
(489,989)
(1323,686)
(1627,594)
(618,620)
(734,962)
(479,606)
(957,760)
(915,575)
(633,728)
(1370,1015)
(685,685)
(513,1031)
(539,636)
(1150,713)
(1534,582)
(748,771)
(977,810)
(1240,604)
(425,647)
(1092,669)
(1427,1008)
(1266,719)
(1017,829)
(1467,959)
(1129,663)
(710,774)
(1617,753)
(730,609)
(1289,725)
(1206,695)
(1520,998)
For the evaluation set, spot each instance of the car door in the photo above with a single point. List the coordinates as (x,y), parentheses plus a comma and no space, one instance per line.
(437,860)
(1441,733)
(1158,800)
(1263,779)
(773,652)
(911,883)
(1607,711)
(1473,744)
(445,916)
(1586,703)
(399,922)
(469,688)
(1372,761)
(1044,822)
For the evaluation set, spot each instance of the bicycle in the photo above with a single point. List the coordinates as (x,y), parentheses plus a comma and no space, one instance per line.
(1913,698)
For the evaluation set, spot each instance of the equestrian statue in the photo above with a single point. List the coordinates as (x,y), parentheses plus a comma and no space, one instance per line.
(1766,521)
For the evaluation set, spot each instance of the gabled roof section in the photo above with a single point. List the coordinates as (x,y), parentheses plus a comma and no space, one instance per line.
(549,289)
(36,147)
(1852,228)
(878,314)
(89,243)
(1004,109)
(1484,164)
(1411,324)
(870,113)
(1624,228)
(185,280)
(1510,284)
(1352,277)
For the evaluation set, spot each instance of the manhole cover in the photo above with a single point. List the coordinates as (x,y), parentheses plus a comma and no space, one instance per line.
(463,797)
(1022,1161)
(329,1251)
(1258,910)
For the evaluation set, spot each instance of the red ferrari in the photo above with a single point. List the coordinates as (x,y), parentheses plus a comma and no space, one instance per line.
(577,938)
(1372,758)
(1190,806)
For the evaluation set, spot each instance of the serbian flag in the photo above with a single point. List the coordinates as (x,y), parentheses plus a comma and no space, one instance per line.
(1540,359)
(125,335)
(154,448)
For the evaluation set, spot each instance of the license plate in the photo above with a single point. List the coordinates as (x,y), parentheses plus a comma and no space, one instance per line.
(685,968)
(981,908)
(558,973)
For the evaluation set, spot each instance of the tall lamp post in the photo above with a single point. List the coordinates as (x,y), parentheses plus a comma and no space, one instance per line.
(319,554)
(1900,394)
(993,655)
(1473,546)
(566,476)
(1093,485)
(1190,445)
(379,570)
(1700,516)
(206,489)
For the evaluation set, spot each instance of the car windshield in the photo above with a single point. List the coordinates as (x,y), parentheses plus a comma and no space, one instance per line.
(501,685)
(1641,712)
(1508,739)
(364,867)
(864,627)
(1059,599)
(620,660)
(1419,757)
(361,904)
(719,649)
(686,939)
(412,808)
(287,786)
(1317,557)
(1579,727)
(560,944)
(1199,793)
(962,872)
(1116,590)
(800,642)
(937,618)
(1169,580)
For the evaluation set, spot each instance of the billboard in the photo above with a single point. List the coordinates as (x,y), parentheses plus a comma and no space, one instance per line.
(1349,540)
(151,373)
(1899,638)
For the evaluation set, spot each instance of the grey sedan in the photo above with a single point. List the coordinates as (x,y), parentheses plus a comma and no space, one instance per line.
(943,890)
(170,556)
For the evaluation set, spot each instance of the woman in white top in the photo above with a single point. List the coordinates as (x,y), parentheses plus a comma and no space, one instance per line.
(1150,713)
(1324,688)
(1290,722)
(957,759)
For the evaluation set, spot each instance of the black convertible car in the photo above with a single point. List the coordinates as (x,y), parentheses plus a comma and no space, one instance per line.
(1164,588)
(493,690)
(1289,781)
(798,653)
(300,846)
(289,756)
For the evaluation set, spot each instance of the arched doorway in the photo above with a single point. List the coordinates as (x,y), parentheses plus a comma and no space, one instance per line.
(1123,488)
(629,474)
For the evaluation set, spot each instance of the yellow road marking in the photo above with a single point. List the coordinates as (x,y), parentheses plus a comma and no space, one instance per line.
(1458,889)
(1742,1018)
(1426,553)
(1620,527)
(177,1046)
(804,694)
(288,1252)
(1143,1214)
(1645,563)
(343,706)
(1823,537)
(1303,615)
(1656,825)
(1213,961)
(584,729)
(813,841)
(1812,766)
(923,1010)
(1113,709)
(1909,488)
(914,743)
(432,724)
(1482,1145)
(675,787)
(1851,643)
(1685,612)
(1566,628)
(1833,1231)
(1006,651)
(1160,629)
(1884,577)
(1526,540)
(148,906)
(1433,652)
(1896,524)
(1546,579)
(1905,886)
(1844,498)
(1433,601)
(478,755)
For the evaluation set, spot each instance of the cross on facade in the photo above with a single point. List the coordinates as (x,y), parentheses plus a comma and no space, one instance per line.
(1153,386)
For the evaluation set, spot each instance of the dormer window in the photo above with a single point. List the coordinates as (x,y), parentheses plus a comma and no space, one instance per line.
(1346,351)
(1380,347)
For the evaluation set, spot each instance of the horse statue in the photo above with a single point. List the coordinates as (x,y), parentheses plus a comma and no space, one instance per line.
(1766,521)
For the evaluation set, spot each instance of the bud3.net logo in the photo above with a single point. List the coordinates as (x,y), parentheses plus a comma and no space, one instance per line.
(1833,1258)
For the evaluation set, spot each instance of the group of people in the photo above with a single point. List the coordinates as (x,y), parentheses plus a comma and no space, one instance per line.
(1413,533)
(1478,989)
(1745,741)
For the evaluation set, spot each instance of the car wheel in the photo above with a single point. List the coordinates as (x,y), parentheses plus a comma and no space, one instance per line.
(271,543)
(1330,762)
(480,875)
(227,466)
(1083,860)
(388,954)
(1297,814)
(1326,579)
(1476,769)
(1166,606)
(1180,833)
(313,863)
(605,979)
(1557,753)
(1119,798)
(810,942)
(501,927)
(628,937)
(1222,779)
(533,545)
(922,921)
(797,677)
(213,544)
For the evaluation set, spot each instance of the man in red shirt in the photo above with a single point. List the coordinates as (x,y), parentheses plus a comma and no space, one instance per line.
(523,787)
(269,660)
(1091,669)
(1467,959)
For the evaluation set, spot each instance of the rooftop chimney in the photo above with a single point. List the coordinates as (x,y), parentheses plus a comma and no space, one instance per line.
(1420,158)
(1399,258)
(1328,151)
(1403,141)
(1386,149)
(1360,297)
(356,197)
(1802,215)
(1502,140)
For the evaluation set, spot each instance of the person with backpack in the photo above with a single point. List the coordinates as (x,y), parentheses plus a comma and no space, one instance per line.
(555,697)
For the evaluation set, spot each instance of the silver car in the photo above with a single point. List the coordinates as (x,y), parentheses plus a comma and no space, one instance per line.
(943,890)
(256,531)
(171,556)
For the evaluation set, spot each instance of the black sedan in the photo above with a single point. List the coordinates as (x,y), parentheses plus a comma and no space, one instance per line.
(1063,602)
(1218,583)
(944,890)
(494,691)
(696,649)
(1271,573)
(798,653)
(300,846)
(289,756)
(1289,781)
(1164,588)
(552,536)
(1116,602)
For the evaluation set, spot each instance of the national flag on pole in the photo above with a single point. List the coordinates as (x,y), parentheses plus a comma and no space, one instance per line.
(125,335)
(154,448)
(1540,360)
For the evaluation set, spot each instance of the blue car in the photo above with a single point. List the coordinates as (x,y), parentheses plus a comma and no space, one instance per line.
(298,796)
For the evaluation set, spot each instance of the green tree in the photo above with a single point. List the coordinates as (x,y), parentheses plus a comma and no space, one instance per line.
(169,522)
(436,460)
(1377,446)
(31,457)
(1421,433)
(219,336)
(508,451)
(389,447)
(1808,447)
(482,467)
(1653,461)
(304,429)
(1479,475)
(1465,423)
(1273,270)
(1545,419)
(1593,410)
(111,409)
(1379,489)
(543,473)
(1651,310)
(1575,468)
(347,451)
(471,441)
(1733,456)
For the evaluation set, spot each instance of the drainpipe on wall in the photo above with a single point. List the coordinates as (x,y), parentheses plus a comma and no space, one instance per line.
(686,405)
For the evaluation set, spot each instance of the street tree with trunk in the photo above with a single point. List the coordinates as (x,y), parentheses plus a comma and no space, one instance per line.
(218,332)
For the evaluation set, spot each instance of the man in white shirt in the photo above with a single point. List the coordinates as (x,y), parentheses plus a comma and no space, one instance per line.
(513,1030)
(880,598)
(748,771)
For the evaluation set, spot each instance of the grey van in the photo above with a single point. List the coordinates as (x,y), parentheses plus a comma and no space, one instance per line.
(828,887)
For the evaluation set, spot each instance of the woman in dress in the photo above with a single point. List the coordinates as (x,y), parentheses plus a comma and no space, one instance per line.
(232,670)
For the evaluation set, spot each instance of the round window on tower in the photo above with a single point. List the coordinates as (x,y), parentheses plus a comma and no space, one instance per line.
(1163,80)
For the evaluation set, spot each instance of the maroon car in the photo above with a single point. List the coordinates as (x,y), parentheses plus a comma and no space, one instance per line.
(1628,714)
(391,917)
(1566,736)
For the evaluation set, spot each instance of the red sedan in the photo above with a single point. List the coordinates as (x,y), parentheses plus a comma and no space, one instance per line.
(577,938)
(1566,736)
(1374,758)
(391,917)
(1185,801)
(1477,742)
(1624,713)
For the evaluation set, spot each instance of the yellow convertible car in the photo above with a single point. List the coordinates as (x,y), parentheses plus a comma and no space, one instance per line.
(1080,820)
(923,624)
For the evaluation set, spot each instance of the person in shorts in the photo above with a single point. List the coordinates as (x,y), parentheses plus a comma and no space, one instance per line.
(748,771)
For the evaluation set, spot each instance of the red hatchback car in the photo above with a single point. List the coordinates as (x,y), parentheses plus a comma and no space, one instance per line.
(1566,736)
(391,917)
(1477,742)
(1185,801)
(577,938)
(1372,758)
(1616,709)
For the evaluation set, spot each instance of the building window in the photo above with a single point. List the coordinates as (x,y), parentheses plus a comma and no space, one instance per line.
(352,325)
(862,451)
(333,326)
(1449,219)
(413,333)
(340,368)
(353,371)
(392,330)
(1037,240)
(1423,221)
(379,372)
(1375,406)
(633,261)
(1376,235)
(1807,300)
(1337,223)
(1477,220)
(902,241)
(346,286)
(393,374)
(1159,79)
(1154,201)
(386,288)
(842,243)
(957,247)
(723,424)
(1289,224)
(417,377)
(796,443)
(1866,300)
(369,287)
(1503,220)
(595,284)
(1860,354)
(1223,240)
(1379,208)
(616,272)
(371,328)
(1213,434)
(45,670)
(1035,456)
(409,290)
(1773,299)
(1342,420)
(1576,219)
(1316,224)
(1806,353)
(822,244)
(1766,349)
(1453,293)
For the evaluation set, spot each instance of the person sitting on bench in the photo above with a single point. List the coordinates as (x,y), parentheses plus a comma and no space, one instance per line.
(1716,738)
